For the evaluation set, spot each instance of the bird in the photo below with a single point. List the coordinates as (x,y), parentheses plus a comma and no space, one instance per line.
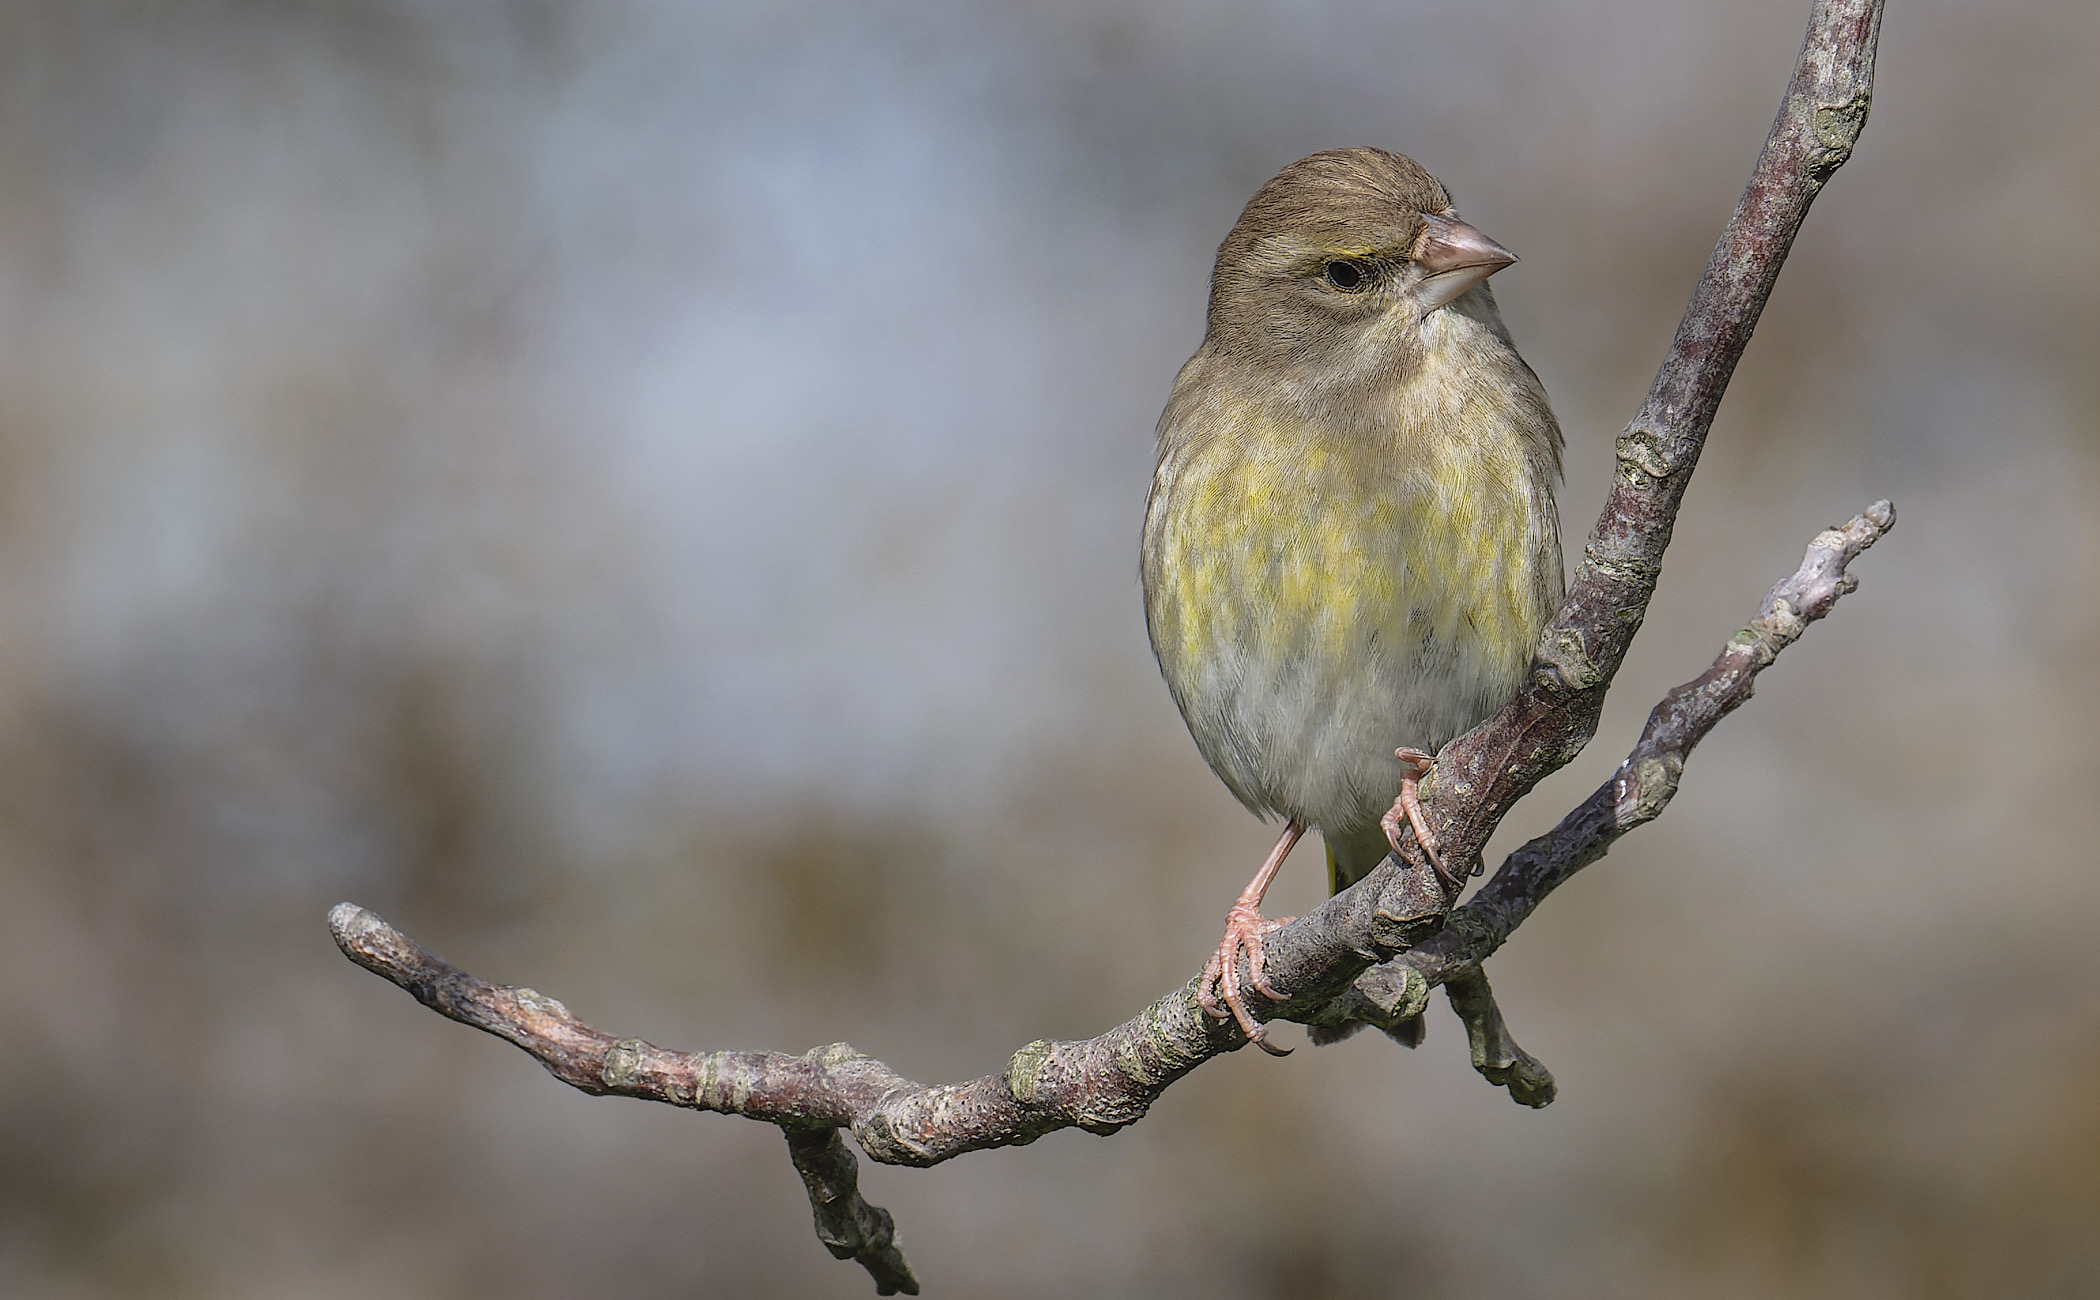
(1351,545)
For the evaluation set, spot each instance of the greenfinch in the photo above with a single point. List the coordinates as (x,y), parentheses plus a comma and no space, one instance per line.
(1351,546)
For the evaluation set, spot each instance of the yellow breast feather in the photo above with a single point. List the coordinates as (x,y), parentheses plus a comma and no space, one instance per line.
(1312,585)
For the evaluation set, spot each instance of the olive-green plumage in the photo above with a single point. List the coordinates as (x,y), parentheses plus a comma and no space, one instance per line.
(1351,543)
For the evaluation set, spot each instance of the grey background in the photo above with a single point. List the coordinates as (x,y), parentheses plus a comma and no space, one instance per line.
(645,496)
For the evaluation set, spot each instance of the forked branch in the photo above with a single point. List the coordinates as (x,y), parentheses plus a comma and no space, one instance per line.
(1372,952)
(1104,1083)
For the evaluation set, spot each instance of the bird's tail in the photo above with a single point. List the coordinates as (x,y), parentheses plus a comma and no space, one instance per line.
(1349,859)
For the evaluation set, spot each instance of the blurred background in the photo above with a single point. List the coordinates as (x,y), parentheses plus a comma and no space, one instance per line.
(645,497)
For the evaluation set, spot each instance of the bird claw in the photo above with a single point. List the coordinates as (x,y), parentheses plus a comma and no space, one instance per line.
(1245,927)
(1409,806)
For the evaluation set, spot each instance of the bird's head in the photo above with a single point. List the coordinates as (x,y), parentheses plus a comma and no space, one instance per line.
(1339,261)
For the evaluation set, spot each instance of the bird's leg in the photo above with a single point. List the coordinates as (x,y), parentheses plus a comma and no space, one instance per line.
(1244,928)
(1409,805)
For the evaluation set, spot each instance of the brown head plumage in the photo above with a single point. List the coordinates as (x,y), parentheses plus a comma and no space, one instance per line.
(1335,246)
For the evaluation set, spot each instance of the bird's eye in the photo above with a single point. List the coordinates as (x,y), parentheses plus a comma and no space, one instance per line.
(1345,275)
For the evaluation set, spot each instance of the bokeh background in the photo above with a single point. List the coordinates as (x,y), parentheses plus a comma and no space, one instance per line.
(645,496)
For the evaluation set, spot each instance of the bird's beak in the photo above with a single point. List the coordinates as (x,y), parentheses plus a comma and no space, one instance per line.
(1454,257)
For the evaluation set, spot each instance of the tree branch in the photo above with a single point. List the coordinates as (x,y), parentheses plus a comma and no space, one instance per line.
(1647,778)
(849,1227)
(1481,774)
(1107,1082)
(1495,1054)
(1336,966)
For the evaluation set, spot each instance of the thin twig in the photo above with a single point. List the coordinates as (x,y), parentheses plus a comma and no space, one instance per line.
(1496,1054)
(849,1227)
(1647,778)
(1391,995)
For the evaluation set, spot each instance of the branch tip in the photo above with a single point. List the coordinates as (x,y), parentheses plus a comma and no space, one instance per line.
(846,1223)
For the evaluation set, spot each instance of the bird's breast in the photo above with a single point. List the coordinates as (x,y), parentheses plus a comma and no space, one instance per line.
(1319,595)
